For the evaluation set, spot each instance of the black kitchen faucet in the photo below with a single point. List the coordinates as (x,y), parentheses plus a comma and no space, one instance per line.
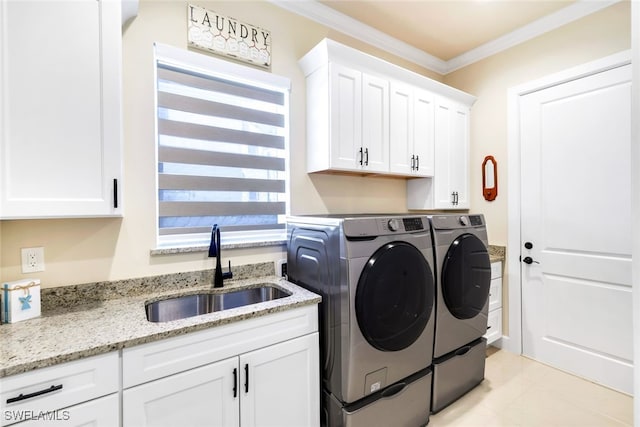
(215,250)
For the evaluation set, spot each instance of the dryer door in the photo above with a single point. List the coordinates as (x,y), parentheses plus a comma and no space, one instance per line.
(395,296)
(466,276)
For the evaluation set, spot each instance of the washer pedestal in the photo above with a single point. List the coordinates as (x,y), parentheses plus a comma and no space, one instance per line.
(456,373)
(405,403)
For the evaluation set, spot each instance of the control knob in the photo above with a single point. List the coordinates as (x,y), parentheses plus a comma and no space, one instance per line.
(393,224)
(464,221)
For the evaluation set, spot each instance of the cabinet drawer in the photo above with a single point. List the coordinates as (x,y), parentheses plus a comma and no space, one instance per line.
(495,294)
(496,269)
(494,326)
(59,386)
(102,412)
(154,360)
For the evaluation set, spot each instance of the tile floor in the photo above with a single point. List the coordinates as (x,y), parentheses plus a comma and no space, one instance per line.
(518,391)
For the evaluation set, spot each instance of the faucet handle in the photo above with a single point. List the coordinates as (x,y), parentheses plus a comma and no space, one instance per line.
(228,274)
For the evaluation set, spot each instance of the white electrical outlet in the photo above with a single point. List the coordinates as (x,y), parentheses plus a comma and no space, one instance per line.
(32,260)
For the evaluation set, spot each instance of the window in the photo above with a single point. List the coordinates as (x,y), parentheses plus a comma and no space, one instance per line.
(222,136)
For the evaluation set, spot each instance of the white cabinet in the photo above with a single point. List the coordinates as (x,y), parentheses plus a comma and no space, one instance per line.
(348,120)
(262,371)
(60,109)
(449,187)
(204,396)
(71,392)
(494,327)
(411,128)
(280,384)
(368,116)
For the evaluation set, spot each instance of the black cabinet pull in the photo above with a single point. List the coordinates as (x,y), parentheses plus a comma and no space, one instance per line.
(246,378)
(115,193)
(235,382)
(417,163)
(366,157)
(361,156)
(34,394)
(413,162)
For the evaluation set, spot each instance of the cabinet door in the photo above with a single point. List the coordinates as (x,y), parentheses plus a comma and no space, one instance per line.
(423,132)
(401,127)
(281,384)
(198,397)
(60,108)
(459,156)
(345,110)
(375,123)
(451,155)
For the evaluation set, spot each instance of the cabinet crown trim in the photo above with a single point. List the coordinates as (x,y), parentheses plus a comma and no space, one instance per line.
(331,51)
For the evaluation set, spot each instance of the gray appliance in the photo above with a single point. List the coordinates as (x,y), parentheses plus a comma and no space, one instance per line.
(463,279)
(375,276)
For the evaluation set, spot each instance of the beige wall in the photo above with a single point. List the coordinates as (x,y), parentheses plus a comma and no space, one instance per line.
(587,39)
(89,250)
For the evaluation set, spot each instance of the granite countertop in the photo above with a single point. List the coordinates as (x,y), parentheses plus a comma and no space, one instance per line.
(95,327)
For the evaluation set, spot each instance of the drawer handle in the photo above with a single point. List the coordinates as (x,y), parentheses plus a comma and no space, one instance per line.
(34,394)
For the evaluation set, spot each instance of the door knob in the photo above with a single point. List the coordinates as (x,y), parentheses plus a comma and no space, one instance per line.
(529,260)
(528,245)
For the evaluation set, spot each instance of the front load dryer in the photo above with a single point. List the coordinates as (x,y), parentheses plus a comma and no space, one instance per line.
(376,280)
(463,273)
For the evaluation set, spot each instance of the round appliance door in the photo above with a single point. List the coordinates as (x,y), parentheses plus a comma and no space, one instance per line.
(466,276)
(395,296)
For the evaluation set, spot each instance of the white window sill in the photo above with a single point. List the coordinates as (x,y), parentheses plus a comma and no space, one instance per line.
(168,250)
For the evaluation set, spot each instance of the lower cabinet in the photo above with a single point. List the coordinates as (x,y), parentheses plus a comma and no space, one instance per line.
(494,326)
(258,372)
(81,392)
(275,386)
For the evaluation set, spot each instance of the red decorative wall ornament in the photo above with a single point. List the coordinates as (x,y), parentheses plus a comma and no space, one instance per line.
(489,178)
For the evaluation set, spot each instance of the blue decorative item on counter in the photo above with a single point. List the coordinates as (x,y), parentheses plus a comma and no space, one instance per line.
(20,300)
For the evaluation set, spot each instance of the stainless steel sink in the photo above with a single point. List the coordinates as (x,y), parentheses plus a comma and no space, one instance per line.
(195,305)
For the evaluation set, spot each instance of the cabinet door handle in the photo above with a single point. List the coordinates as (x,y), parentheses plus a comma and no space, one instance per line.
(34,394)
(115,193)
(361,156)
(235,382)
(366,157)
(417,163)
(453,197)
(413,162)
(246,378)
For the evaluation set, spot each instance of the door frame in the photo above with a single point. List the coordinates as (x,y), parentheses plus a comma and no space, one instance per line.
(513,342)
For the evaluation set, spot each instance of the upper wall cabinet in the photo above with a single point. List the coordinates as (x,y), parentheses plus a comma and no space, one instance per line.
(449,187)
(366,115)
(60,109)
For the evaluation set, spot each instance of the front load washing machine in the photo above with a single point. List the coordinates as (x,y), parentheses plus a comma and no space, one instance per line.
(463,273)
(375,276)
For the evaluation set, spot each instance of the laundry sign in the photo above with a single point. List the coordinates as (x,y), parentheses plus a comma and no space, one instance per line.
(227,36)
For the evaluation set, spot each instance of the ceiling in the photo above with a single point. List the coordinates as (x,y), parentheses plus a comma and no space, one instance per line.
(446,28)
(444,35)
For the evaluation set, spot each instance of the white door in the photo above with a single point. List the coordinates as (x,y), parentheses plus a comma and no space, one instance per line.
(204,396)
(576,220)
(401,156)
(375,123)
(281,384)
(346,117)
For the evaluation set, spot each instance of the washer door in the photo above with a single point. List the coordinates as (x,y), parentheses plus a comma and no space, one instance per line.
(466,276)
(394,298)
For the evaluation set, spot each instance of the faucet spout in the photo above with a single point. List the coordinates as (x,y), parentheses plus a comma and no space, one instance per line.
(214,251)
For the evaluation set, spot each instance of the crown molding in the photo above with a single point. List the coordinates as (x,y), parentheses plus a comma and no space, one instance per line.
(335,20)
(564,16)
